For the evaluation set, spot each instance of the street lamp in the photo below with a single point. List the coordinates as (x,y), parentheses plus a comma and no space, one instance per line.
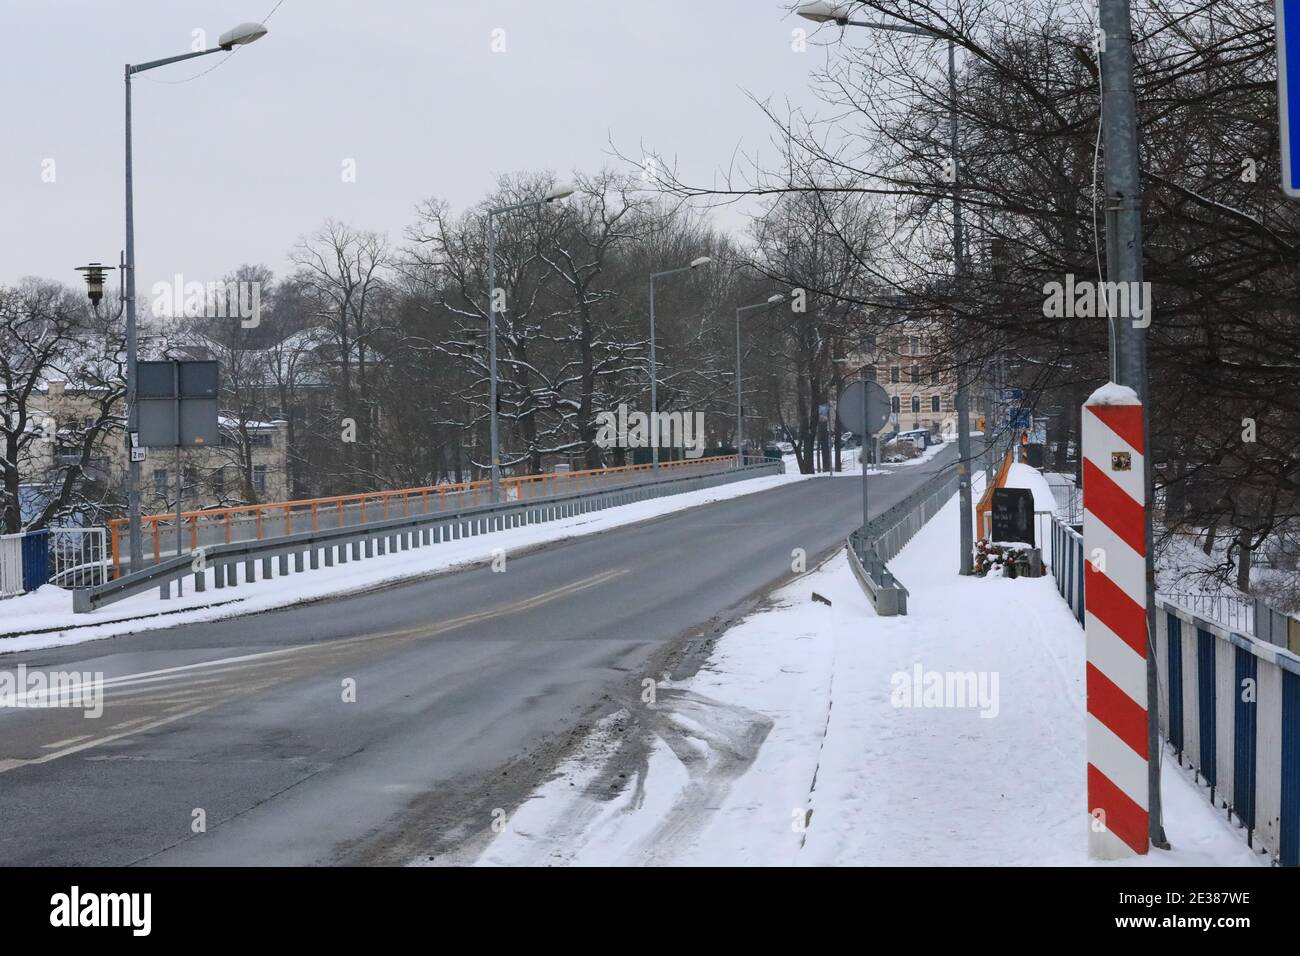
(838,13)
(556,192)
(241,35)
(740,419)
(654,372)
(94,281)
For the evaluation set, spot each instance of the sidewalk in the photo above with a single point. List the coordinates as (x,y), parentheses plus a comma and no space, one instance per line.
(803,742)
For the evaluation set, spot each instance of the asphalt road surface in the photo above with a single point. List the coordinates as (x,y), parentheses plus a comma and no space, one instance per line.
(233,742)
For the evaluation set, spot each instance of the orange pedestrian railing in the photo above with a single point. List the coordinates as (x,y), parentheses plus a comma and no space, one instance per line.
(246,522)
(985,505)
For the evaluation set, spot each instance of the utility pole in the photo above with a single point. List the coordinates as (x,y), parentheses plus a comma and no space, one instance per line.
(963,374)
(1129,360)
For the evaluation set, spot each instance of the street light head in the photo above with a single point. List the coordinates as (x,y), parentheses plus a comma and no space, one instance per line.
(94,281)
(820,11)
(701,261)
(560,191)
(241,35)
(779,297)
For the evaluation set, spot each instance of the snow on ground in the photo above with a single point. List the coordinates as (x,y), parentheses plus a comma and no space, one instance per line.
(787,747)
(849,461)
(49,609)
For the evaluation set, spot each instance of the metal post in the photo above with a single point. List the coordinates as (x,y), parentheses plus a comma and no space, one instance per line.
(1123,193)
(654,394)
(179,495)
(862,450)
(180,483)
(492,358)
(740,421)
(132,411)
(961,399)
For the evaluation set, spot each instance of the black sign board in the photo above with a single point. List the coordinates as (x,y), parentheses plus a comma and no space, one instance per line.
(178,404)
(1034,455)
(1013,515)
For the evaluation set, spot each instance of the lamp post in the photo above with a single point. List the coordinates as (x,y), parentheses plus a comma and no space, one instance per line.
(241,35)
(654,371)
(555,193)
(740,418)
(838,13)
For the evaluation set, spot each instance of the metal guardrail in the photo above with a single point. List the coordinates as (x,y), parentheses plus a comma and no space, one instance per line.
(212,526)
(221,562)
(889,532)
(1066,562)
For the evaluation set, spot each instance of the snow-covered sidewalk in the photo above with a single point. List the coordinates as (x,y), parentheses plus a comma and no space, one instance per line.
(817,735)
(45,618)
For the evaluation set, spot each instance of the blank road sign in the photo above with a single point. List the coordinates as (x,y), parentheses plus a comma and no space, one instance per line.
(1288,93)
(850,410)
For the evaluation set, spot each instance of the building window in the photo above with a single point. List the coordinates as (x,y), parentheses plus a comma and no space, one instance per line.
(916,404)
(893,374)
(160,481)
(897,404)
(259,477)
(934,403)
(916,345)
(219,481)
(934,375)
(916,374)
(870,373)
(949,404)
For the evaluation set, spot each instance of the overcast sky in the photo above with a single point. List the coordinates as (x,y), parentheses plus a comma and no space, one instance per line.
(235,165)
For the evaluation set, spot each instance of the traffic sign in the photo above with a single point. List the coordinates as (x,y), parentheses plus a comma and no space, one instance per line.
(851,408)
(1020,418)
(1013,394)
(1288,93)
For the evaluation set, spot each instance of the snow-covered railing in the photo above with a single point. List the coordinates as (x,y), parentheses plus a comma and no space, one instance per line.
(1230,708)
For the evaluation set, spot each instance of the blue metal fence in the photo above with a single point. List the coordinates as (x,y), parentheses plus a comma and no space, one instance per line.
(36,559)
(1229,707)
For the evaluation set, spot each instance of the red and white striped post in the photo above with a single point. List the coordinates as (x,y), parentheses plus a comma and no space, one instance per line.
(1114,542)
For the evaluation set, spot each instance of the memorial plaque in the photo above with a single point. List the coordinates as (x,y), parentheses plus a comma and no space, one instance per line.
(1013,515)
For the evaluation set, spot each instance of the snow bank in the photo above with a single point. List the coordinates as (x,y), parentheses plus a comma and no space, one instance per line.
(1021,475)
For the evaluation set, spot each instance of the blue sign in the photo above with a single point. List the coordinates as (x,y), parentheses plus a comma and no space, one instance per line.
(1020,418)
(1013,394)
(1288,93)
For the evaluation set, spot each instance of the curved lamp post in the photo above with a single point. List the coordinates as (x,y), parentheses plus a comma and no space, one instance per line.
(241,35)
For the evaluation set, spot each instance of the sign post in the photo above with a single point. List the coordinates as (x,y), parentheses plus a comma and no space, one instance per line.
(1288,93)
(1114,545)
(864,409)
(177,403)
